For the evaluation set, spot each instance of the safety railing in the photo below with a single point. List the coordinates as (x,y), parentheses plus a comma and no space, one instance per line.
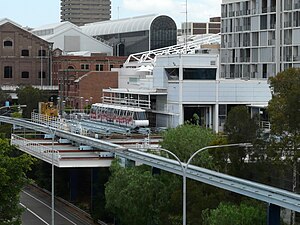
(35,149)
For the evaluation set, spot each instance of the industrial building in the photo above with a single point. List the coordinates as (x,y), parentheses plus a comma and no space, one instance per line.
(71,40)
(136,34)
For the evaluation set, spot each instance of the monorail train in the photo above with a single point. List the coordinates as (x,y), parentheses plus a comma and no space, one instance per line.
(119,115)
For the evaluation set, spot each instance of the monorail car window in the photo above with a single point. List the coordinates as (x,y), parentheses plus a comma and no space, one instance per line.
(142,116)
(139,116)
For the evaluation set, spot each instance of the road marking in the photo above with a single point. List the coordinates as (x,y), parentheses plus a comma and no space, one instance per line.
(34,213)
(48,207)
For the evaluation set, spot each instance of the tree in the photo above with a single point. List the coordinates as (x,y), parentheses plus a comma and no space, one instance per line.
(134,196)
(30,97)
(229,214)
(239,126)
(12,180)
(185,139)
(284,108)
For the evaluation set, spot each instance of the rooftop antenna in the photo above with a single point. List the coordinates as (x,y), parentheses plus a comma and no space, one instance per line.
(118,12)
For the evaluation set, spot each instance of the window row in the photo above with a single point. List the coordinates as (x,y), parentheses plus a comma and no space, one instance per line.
(8,73)
(98,67)
(24,52)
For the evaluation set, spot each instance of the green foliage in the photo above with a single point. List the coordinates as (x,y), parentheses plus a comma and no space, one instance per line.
(239,126)
(12,180)
(184,140)
(5,130)
(135,196)
(30,97)
(284,106)
(228,214)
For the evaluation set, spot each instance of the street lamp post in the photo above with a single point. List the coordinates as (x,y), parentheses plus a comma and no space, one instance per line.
(184,180)
(53,131)
(184,168)
(190,159)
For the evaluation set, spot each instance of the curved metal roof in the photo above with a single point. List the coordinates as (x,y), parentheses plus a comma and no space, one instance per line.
(133,24)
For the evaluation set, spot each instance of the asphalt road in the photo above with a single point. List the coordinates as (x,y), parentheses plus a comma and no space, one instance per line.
(38,210)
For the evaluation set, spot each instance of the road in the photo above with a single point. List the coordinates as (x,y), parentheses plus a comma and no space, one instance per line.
(37,206)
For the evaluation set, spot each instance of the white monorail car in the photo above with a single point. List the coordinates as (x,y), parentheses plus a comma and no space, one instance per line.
(119,115)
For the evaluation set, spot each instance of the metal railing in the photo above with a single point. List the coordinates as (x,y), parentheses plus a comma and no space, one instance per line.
(35,149)
(189,48)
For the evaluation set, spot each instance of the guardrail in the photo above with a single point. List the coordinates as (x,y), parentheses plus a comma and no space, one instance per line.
(39,151)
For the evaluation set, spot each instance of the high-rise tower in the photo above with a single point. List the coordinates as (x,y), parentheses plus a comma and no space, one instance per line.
(259,38)
(81,12)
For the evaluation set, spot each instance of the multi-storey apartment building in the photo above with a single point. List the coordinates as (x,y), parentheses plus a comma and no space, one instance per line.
(259,38)
(81,12)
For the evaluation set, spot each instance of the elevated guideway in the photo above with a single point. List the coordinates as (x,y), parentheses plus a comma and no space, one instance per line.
(272,195)
(63,155)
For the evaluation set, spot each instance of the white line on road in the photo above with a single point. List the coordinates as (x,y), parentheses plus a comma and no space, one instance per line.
(48,207)
(34,213)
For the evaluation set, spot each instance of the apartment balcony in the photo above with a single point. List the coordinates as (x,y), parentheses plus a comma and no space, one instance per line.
(296,58)
(271,42)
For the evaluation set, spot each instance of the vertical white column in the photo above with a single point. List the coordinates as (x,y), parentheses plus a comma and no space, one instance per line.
(181,120)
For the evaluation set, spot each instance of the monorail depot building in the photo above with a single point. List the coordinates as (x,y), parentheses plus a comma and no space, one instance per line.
(136,34)
(179,86)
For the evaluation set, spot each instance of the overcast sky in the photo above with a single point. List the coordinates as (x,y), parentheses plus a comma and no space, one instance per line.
(35,13)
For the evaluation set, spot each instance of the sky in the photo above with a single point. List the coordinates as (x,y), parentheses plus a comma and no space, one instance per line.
(36,13)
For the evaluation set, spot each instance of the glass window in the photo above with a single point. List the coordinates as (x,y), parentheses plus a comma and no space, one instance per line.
(42,53)
(8,43)
(25,52)
(85,66)
(8,72)
(25,74)
(163,32)
(199,73)
(44,74)
(172,73)
(99,67)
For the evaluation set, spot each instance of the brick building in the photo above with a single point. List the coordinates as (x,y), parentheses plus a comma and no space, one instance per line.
(81,78)
(24,57)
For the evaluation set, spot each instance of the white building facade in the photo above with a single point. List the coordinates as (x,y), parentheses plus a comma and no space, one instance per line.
(182,86)
(69,38)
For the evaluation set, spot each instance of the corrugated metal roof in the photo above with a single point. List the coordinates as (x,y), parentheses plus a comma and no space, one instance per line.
(133,24)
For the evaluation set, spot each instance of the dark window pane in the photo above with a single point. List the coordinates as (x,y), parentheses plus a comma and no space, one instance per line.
(42,53)
(25,52)
(7,72)
(199,73)
(25,74)
(44,75)
(8,44)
